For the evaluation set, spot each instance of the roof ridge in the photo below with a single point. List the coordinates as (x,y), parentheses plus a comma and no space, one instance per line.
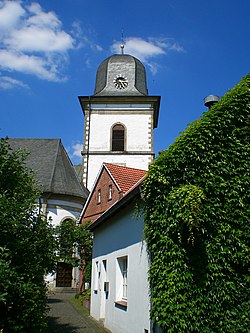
(125,177)
(84,189)
(54,165)
(123,166)
(111,175)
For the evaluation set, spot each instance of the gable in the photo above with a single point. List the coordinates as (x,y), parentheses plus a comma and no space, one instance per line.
(112,183)
(104,194)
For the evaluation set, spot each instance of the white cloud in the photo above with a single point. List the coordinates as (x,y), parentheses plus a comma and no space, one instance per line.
(83,39)
(74,152)
(10,14)
(42,19)
(32,41)
(7,82)
(77,149)
(146,50)
(12,61)
(35,39)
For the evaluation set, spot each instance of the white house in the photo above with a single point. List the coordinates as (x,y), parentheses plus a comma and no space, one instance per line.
(62,195)
(120,290)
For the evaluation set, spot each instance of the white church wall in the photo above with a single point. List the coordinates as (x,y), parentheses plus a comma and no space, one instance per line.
(121,237)
(57,211)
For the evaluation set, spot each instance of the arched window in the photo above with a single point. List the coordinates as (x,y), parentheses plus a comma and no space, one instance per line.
(118,138)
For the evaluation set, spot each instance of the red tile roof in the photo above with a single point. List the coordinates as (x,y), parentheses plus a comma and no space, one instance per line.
(125,177)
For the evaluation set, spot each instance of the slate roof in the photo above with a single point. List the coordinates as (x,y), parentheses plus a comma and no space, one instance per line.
(52,166)
(124,177)
(125,65)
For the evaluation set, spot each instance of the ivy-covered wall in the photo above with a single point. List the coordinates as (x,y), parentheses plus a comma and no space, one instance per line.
(197,219)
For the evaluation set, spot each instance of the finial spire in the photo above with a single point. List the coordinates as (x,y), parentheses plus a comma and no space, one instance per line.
(122,44)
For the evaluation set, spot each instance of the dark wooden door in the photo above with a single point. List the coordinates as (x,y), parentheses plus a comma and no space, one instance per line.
(63,275)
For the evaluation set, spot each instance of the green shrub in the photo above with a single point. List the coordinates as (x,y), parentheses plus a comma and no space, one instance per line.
(26,247)
(197,222)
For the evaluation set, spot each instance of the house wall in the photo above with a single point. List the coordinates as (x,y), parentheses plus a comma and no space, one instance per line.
(95,208)
(118,237)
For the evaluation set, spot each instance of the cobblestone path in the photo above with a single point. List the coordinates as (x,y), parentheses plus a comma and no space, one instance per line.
(64,318)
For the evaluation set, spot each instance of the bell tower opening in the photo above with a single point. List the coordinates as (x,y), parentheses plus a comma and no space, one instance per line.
(118,138)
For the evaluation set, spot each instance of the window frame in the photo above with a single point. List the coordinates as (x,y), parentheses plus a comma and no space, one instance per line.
(122,281)
(110,197)
(117,143)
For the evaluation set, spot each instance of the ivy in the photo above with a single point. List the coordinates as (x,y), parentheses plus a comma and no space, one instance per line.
(197,213)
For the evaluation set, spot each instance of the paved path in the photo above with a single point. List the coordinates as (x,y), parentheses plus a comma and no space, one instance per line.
(64,318)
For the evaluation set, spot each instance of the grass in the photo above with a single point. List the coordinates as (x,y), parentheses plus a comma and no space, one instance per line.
(76,302)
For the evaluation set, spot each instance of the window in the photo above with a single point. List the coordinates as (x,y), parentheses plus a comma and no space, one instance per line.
(124,278)
(122,281)
(118,136)
(110,192)
(96,276)
(99,196)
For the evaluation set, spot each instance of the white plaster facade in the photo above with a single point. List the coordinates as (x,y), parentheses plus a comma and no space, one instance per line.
(121,236)
(59,210)
(138,121)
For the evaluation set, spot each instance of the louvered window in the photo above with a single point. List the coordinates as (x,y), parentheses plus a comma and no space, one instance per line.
(118,136)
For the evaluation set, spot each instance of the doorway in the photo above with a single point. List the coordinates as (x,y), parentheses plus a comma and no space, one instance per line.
(63,275)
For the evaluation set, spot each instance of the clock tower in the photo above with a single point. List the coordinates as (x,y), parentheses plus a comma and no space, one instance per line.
(119,118)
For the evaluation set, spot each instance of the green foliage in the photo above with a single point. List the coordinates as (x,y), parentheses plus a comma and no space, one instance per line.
(84,242)
(75,246)
(66,241)
(26,247)
(197,196)
(74,242)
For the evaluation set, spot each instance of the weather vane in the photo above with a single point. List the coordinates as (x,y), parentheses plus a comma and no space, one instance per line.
(122,44)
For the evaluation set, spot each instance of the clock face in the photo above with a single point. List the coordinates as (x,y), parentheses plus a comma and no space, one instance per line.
(120,82)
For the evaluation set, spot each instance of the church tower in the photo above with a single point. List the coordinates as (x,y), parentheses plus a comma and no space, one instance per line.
(119,118)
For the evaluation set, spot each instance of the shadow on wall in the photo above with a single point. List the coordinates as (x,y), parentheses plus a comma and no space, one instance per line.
(120,231)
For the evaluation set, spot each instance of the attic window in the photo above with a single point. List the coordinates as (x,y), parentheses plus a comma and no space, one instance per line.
(110,192)
(99,196)
(118,136)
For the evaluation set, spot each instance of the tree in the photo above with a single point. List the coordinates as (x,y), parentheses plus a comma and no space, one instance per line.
(26,246)
(75,246)
(197,215)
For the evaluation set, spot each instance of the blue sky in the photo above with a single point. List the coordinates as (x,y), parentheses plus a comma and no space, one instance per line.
(50,51)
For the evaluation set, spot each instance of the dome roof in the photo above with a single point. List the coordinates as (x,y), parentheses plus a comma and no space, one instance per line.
(119,75)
